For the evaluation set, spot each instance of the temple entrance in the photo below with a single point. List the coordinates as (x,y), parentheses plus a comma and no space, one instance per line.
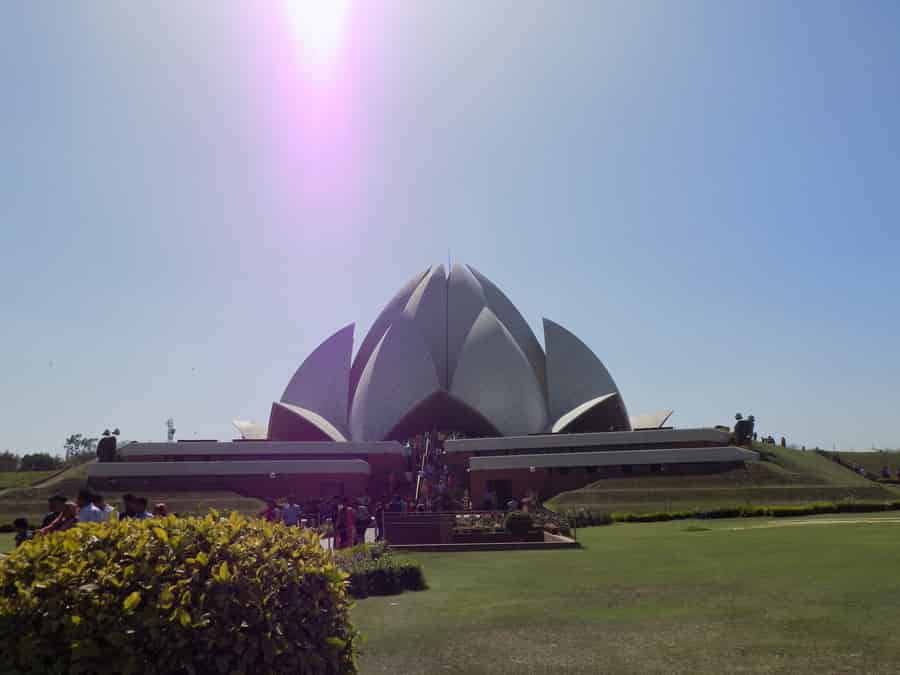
(503,491)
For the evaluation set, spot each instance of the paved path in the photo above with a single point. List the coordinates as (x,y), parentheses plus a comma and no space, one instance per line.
(370,539)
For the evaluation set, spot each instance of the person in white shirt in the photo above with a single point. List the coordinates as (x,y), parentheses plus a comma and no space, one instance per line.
(87,511)
(142,513)
(109,513)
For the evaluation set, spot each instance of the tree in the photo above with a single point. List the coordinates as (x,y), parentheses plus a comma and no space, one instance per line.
(39,461)
(79,448)
(9,461)
(72,445)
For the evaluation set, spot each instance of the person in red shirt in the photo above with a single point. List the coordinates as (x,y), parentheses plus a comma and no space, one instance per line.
(271,513)
(66,520)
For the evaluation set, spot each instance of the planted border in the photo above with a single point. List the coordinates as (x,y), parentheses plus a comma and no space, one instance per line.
(374,570)
(589,518)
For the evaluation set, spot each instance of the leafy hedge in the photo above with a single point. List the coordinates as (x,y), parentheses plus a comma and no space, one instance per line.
(374,570)
(518,523)
(192,595)
(585,518)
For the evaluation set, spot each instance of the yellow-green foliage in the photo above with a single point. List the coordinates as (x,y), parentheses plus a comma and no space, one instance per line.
(167,596)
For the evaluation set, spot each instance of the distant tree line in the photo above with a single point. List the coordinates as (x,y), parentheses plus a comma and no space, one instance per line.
(32,461)
(78,449)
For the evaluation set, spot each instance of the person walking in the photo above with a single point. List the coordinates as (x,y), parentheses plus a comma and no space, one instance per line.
(291,513)
(348,524)
(363,520)
(379,521)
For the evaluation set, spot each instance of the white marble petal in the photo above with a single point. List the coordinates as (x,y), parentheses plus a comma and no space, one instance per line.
(495,378)
(427,307)
(574,374)
(465,300)
(320,383)
(288,422)
(654,420)
(510,317)
(379,328)
(604,413)
(250,431)
(399,375)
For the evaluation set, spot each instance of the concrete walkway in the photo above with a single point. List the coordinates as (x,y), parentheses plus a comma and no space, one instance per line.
(328,542)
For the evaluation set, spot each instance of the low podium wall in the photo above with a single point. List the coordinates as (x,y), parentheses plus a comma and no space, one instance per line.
(402,529)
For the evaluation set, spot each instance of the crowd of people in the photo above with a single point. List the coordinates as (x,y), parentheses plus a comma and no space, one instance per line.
(88,507)
(347,519)
(429,485)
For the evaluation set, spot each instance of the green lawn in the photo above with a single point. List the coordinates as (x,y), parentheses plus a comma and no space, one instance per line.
(813,595)
(786,477)
(7,541)
(17,479)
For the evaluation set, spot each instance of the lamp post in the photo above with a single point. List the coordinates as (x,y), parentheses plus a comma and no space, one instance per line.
(531,490)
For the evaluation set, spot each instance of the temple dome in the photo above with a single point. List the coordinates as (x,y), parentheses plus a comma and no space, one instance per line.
(449,352)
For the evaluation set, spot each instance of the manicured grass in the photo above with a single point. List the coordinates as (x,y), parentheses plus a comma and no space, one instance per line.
(786,477)
(7,541)
(17,479)
(874,461)
(810,463)
(808,595)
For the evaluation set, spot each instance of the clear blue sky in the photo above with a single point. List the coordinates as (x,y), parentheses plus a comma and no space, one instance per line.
(194,194)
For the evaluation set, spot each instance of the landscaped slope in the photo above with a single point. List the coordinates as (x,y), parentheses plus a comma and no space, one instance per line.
(784,476)
(31,503)
(874,461)
(17,479)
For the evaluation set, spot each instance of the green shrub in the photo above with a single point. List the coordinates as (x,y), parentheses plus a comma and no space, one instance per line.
(194,595)
(848,506)
(602,519)
(410,574)
(518,523)
(373,570)
(586,518)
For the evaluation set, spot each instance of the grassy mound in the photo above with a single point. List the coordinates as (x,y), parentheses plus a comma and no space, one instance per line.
(19,479)
(784,477)
(874,461)
(31,502)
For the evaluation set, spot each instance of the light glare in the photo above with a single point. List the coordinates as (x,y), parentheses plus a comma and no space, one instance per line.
(318,28)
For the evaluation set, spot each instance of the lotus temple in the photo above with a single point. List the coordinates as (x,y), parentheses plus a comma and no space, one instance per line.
(449,374)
